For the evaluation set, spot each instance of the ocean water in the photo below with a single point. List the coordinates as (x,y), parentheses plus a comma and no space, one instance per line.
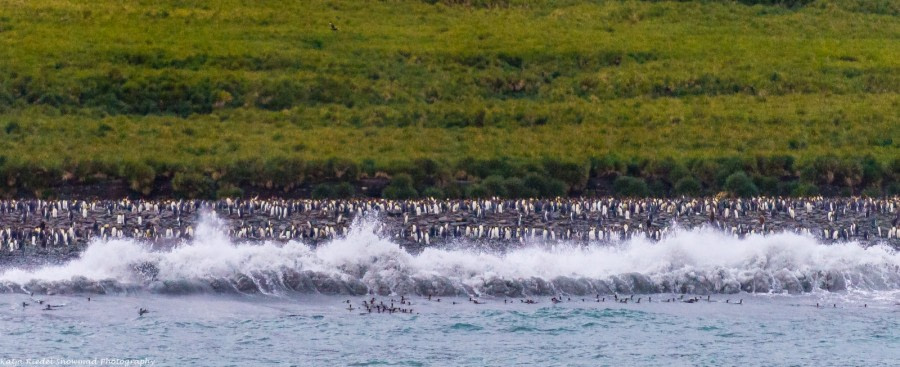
(209,330)
(213,302)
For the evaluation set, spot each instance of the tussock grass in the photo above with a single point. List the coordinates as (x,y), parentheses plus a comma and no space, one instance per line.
(216,96)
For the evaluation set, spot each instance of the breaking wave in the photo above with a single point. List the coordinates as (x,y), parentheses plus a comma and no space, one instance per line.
(698,261)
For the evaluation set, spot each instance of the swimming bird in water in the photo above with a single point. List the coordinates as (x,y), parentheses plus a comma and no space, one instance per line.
(142,311)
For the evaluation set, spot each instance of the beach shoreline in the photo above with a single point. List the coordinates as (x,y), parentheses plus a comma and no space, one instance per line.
(61,229)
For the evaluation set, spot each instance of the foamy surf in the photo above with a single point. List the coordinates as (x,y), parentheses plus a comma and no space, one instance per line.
(698,261)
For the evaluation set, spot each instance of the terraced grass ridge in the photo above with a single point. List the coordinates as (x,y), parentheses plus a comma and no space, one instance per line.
(458,98)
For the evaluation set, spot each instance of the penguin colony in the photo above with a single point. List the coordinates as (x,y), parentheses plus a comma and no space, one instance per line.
(40,226)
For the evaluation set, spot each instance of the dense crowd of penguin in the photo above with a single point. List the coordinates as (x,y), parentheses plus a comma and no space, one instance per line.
(43,224)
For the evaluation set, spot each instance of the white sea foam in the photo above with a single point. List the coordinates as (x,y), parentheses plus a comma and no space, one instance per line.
(691,261)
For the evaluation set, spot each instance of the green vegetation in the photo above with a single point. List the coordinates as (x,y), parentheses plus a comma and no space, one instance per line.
(688,186)
(401,187)
(630,187)
(453,98)
(739,184)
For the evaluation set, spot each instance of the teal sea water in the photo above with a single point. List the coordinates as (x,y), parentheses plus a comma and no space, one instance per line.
(215,330)
(214,302)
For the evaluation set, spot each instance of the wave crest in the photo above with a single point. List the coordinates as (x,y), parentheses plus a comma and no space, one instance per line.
(699,261)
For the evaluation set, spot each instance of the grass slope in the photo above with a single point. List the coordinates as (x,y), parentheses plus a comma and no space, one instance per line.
(229,94)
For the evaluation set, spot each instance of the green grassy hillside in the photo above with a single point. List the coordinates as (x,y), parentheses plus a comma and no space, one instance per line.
(801,95)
